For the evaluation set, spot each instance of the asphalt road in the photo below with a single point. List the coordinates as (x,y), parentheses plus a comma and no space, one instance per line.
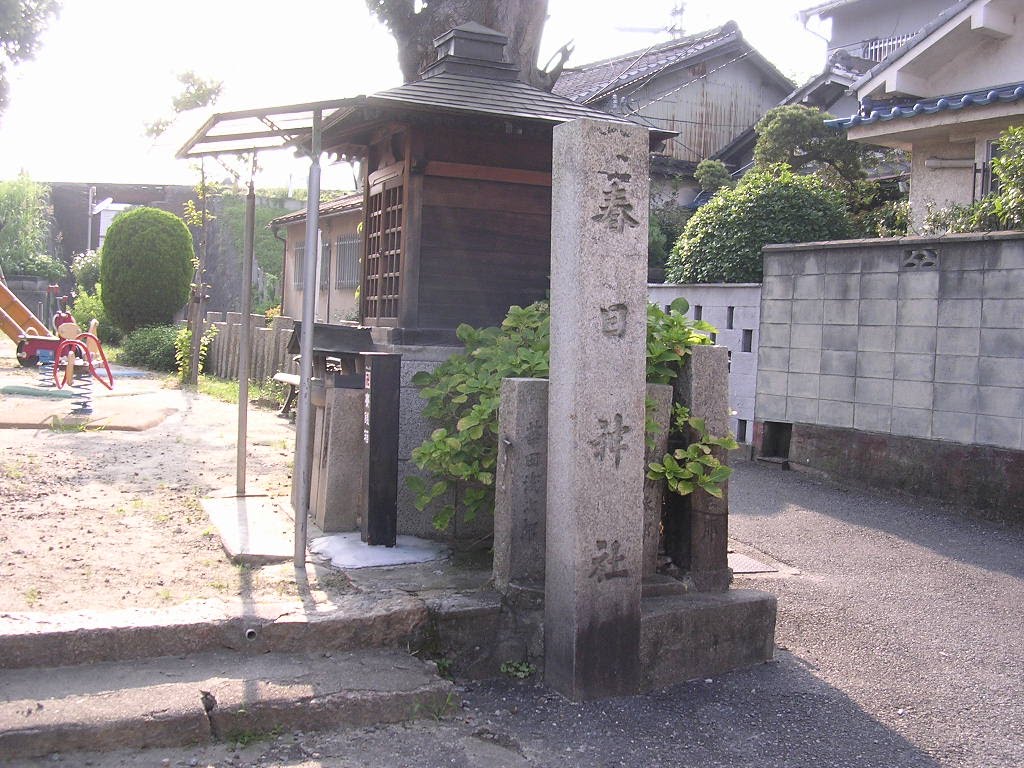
(900,643)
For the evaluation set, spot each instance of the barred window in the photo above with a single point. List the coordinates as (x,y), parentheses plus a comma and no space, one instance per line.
(348,252)
(325,265)
(297,265)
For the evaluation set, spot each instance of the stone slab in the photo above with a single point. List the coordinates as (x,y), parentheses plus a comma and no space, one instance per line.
(701,635)
(252,528)
(168,701)
(349,551)
(387,619)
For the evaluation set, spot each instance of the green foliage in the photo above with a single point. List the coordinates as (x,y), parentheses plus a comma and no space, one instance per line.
(146,268)
(712,175)
(877,211)
(266,247)
(183,349)
(1003,209)
(797,136)
(666,225)
(669,338)
(37,265)
(722,242)
(196,92)
(518,670)
(89,306)
(463,396)
(687,469)
(21,24)
(85,267)
(151,347)
(24,211)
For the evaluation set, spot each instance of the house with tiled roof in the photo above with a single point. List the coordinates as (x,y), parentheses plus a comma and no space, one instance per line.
(709,87)
(341,251)
(945,95)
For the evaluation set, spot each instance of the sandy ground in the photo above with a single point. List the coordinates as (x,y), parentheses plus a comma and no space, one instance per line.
(93,518)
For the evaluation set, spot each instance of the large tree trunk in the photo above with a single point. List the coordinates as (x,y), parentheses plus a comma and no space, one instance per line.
(522,20)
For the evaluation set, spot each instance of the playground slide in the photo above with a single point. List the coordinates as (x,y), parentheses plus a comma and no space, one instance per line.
(15,318)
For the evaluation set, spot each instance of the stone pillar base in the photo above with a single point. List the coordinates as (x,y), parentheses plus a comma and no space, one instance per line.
(699,635)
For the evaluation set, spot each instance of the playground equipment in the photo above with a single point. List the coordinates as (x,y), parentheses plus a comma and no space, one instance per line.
(69,345)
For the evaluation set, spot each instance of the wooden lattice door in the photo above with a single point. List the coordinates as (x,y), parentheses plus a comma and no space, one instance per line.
(383,261)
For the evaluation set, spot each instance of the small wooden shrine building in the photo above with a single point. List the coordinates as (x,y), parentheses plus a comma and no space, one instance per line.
(457,196)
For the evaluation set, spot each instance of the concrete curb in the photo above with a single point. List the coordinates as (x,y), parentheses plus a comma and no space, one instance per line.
(352,621)
(209,697)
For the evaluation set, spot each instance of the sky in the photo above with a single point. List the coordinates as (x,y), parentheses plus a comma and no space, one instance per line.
(106,67)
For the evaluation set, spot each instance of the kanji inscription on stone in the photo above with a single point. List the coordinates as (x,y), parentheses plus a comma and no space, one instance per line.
(615,210)
(613,320)
(610,439)
(606,564)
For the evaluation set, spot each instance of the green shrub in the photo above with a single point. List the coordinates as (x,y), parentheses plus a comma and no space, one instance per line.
(146,268)
(36,265)
(183,349)
(722,241)
(86,269)
(464,392)
(151,347)
(712,175)
(89,306)
(24,214)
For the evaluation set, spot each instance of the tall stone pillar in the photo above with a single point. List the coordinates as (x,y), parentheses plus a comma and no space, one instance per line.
(595,480)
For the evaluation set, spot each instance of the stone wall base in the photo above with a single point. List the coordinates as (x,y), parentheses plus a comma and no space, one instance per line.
(682,637)
(699,635)
(983,480)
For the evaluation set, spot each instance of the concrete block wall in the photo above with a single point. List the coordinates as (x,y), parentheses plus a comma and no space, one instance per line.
(914,337)
(734,310)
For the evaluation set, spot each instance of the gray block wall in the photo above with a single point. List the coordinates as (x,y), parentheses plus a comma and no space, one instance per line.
(918,337)
(734,310)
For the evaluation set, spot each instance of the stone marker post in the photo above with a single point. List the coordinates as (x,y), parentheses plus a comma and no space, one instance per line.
(520,484)
(595,516)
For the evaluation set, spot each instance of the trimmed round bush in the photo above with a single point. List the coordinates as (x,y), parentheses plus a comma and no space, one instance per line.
(722,241)
(145,268)
(151,347)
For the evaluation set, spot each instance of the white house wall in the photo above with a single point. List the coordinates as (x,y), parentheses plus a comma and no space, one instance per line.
(872,19)
(714,301)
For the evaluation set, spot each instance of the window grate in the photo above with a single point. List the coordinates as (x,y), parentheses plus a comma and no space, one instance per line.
(299,254)
(382,281)
(348,251)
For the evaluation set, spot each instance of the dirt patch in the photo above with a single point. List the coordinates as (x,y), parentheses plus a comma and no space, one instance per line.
(100,519)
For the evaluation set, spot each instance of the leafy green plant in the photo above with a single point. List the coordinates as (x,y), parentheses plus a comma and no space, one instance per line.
(85,268)
(89,306)
(712,175)
(146,268)
(464,392)
(518,670)
(23,222)
(687,469)
(151,347)
(36,265)
(722,242)
(183,349)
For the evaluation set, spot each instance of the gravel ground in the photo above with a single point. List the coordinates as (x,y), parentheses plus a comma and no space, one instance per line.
(901,633)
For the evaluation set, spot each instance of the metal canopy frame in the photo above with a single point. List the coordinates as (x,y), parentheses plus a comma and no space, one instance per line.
(300,127)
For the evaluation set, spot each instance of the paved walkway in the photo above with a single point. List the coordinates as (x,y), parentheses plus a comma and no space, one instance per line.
(901,634)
